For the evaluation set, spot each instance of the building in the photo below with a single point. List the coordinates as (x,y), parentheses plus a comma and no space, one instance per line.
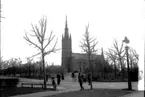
(77,61)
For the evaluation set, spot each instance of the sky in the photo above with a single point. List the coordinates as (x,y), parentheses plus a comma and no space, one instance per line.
(108,20)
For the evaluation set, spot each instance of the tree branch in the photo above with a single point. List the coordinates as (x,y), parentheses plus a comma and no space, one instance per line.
(27,39)
(35,55)
(36,33)
(52,49)
(49,39)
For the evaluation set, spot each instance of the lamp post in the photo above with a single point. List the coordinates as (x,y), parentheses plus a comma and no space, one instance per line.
(0,40)
(128,69)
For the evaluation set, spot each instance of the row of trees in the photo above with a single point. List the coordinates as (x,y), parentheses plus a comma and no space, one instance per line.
(115,56)
(31,69)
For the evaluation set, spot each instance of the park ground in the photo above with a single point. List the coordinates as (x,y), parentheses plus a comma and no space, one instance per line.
(69,88)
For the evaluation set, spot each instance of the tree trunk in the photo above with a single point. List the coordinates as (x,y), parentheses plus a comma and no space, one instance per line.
(29,72)
(122,74)
(91,70)
(40,70)
(44,72)
(115,69)
(20,70)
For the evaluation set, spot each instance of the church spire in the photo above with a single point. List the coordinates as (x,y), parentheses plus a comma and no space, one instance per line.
(66,22)
(66,29)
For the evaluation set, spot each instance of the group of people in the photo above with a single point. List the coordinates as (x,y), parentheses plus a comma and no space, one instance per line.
(82,78)
(59,77)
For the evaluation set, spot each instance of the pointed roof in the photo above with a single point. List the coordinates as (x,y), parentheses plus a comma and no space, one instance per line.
(66,22)
(66,29)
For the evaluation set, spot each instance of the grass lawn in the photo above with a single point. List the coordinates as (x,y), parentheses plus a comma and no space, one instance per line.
(94,93)
(11,91)
(84,93)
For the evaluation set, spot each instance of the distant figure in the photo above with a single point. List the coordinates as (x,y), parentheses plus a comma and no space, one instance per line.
(83,78)
(73,76)
(89,78)
(80,80)
(53,83)
(58,78)
(46,78)
(62,76)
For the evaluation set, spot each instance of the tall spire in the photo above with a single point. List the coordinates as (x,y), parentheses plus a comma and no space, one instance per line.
(66,29)
(66,22)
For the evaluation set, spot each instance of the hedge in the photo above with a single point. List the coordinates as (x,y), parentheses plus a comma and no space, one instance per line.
(9,82)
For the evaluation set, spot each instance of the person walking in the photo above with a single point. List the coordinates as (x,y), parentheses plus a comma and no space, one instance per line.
(46,77)
(58,78)
(80,80)
(53,83)
(62,76)
(89,78)
(73,76)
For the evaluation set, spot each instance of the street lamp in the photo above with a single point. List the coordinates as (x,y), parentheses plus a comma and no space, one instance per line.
(128,70)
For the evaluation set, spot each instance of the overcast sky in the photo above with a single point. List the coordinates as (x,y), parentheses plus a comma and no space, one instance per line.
(108,20)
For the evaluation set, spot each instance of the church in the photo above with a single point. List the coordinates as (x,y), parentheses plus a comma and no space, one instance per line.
(77,61)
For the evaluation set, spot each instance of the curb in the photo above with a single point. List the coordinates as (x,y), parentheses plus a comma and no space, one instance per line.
(130,94)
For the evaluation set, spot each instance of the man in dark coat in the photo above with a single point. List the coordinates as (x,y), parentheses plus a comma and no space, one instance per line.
(58,78)
(89,78)
(53,83)
(73,75)
(46,78)
(80,80)
(62,76)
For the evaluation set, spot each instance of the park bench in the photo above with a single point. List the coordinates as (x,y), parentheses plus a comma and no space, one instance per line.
(36,84)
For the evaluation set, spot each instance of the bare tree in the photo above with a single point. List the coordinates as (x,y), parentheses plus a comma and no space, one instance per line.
(88,46)
(13,63)
(120,54)
(112,57)
(39,33)
(28,65)
(133,57)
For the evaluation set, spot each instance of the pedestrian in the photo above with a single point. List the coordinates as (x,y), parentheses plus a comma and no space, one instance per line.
(46,77)
(58,78)
(80,80)
(53,83)
(89,78)
(73,76)
(62,76)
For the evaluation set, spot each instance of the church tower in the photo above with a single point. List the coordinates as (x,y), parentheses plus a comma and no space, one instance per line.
(66,49)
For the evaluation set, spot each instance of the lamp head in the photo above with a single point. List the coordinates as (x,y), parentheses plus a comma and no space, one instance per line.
(126,40)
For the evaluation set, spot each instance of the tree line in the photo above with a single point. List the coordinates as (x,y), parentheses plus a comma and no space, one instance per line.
(30,69)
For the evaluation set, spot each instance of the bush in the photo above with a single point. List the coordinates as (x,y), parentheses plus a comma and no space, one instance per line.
(134,74)
(9,82)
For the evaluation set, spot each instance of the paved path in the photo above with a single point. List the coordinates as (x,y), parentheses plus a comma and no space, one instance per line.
(74,86)
(68,85)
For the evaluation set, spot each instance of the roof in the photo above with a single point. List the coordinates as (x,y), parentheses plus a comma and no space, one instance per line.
(84,56)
